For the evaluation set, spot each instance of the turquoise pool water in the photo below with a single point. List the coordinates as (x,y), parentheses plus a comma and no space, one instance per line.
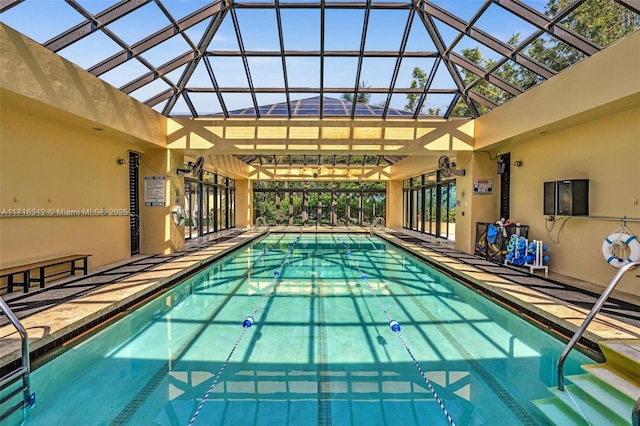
(320,350)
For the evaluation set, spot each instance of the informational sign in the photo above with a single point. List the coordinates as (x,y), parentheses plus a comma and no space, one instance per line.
(155,191)
(482,186)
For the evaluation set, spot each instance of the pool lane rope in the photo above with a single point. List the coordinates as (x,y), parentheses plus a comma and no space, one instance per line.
(395,327)
(247,323)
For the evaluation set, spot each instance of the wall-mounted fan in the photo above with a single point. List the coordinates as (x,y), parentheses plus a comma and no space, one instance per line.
(448,168)
(196,168)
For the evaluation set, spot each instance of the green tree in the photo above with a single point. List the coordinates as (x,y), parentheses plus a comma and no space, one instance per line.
(601,21)
(363,98)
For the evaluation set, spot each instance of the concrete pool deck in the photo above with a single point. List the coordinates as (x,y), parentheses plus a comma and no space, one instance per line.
(73,307)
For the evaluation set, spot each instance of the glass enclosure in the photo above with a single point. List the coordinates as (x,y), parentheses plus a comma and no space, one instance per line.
(319,203)
(429,205)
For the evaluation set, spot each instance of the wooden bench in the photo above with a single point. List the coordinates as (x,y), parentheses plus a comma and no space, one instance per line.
(25,270)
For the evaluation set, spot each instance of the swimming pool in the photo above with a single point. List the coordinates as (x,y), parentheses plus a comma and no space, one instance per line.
(320,349)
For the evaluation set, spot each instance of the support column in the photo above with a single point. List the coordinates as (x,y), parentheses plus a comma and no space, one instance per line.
(394,204)
(244,203)
(160,234)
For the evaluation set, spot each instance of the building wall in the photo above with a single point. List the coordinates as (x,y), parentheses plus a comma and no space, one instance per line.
(61,135)
(581,124)
(605,151)
(51,166)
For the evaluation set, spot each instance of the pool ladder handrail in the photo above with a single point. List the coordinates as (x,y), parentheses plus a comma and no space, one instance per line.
(594,311)
(379,219)
(22,372)
(264,221)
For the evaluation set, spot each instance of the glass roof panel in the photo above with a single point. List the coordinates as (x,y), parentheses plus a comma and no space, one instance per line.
(419,39)
(96,6)
(463,9)
(125,73)
(503,24)
(518,75)
(398,102)
(468,48)
(337,107)
(553,53)
(199,78)
(205,103)
(405,76)
(180,9)
(225,38)
(301,32)
(180,108)
(166,51)
(148,91)
(306,107)
(196,32)
(33,19)
(436,104)
(603,32)
(343,29)
(303,71)
(539,5)
(140,23)
(229,72)
(300,29)
(272,104)
(240,104)
(175,75)
(340,72)
(90,50)
(258,37)
(447,33)
(266,71)
(442,79)
(377,72)
(385,29)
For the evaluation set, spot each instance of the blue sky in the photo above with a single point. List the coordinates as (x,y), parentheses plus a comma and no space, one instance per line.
(42,20)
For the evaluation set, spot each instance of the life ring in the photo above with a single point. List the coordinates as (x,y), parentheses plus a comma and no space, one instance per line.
(178,215)
(619,239)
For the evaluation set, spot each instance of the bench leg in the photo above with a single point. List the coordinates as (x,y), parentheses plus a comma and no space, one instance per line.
(41,277)
(86,270)
(73,267)
(10,284)
(26,281)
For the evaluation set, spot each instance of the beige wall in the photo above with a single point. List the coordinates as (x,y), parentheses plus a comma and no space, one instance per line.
(583,123)
(47,164)
(37,73)
(605,151)
(61,135)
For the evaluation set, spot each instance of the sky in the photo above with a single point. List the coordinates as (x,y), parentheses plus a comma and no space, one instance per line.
(42,20)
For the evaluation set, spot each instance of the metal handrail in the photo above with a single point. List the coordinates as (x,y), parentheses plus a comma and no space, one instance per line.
(264,221)
(25,370)
(594,311)
(379,219)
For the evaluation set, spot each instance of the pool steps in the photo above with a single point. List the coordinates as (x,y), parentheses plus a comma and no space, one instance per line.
(605,395)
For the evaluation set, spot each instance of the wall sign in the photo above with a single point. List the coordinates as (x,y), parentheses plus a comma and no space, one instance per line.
(155,191)
(482,186)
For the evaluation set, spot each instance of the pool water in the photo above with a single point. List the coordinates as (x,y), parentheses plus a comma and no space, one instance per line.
(319,352)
